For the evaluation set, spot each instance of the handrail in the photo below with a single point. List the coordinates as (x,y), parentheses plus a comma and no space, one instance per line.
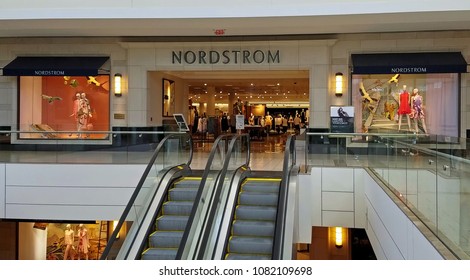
(205,174)
(129,205)
(218,188)
(91,131)
(283,193)
(392,135)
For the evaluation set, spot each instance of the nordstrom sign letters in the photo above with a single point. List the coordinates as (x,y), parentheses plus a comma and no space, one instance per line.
(225,57)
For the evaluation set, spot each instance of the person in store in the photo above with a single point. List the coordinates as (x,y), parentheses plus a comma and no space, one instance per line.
(297,123)
(224,122)
(302,116)
(278,123)
(284,124)
(83,241)
(404,108)
(417,110)
(69,238)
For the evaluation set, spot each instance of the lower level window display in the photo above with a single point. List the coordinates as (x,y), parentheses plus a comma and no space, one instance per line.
(64,107)
(406,103)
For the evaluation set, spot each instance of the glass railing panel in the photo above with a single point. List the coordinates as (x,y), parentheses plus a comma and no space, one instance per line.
(112,147)
(462,168)
(429,173)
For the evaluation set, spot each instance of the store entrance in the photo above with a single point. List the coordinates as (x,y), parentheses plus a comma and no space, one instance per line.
(268,100)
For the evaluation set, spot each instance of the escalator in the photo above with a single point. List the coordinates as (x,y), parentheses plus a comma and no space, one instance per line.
(164,241)
(225,211)
(254,220)
(159,212)
(255,216)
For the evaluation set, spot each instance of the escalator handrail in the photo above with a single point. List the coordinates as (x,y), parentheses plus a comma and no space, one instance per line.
(207,169)
(138,188)
(220,183)
(282,200)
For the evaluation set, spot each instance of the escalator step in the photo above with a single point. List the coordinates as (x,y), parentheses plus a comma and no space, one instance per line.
(260,199)
(160,254)
(182,194)
(253,228)
(165,239)
(169,222)
(178,208)
(269,187)
(188,183)
(250,245)
(248,212)
(234,256)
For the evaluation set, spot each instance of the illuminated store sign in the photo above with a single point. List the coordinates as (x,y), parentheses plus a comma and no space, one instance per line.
(49,73)
(408,70)
(225,57)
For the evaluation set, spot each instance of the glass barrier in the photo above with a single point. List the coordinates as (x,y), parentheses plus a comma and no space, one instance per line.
(113,147)
(430,174)
(173,152)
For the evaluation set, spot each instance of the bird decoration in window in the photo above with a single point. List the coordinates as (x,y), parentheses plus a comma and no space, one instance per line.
(394,79)
(92,80)
(51,99)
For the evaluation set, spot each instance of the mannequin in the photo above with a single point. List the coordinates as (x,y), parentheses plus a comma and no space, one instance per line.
(417,110)
(268,122)
(69,236)
(404,107)
(251,120)
(83,242)
(75,110)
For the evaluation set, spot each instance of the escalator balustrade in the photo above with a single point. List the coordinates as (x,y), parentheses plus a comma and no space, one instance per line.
(163,243)
(254,221)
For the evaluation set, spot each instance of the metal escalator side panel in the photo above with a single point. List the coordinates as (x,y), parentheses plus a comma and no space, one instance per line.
(288,250)
(252,221)
(137,235)
(220,231)
(165,238)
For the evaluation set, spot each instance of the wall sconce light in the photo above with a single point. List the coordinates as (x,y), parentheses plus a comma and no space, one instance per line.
(117,84)
(339,237)
(339,84)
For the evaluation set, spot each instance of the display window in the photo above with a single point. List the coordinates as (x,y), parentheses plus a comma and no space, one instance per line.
(424,103)
(64,107)
(75,241)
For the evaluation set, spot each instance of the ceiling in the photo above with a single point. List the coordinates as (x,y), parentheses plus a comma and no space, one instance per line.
(337,23)
(254,86)
(287,87)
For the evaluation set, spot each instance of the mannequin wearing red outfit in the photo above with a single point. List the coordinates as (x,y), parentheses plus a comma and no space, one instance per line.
(404,107)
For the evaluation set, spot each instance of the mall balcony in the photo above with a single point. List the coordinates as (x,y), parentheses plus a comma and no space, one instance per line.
(408,193)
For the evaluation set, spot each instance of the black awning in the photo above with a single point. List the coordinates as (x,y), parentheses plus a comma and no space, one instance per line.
(403,63)
(56,66)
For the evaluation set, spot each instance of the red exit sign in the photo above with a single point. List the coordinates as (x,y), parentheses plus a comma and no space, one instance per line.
(219,32)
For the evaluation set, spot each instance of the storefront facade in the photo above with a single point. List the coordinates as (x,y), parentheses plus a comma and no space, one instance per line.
(144,66)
